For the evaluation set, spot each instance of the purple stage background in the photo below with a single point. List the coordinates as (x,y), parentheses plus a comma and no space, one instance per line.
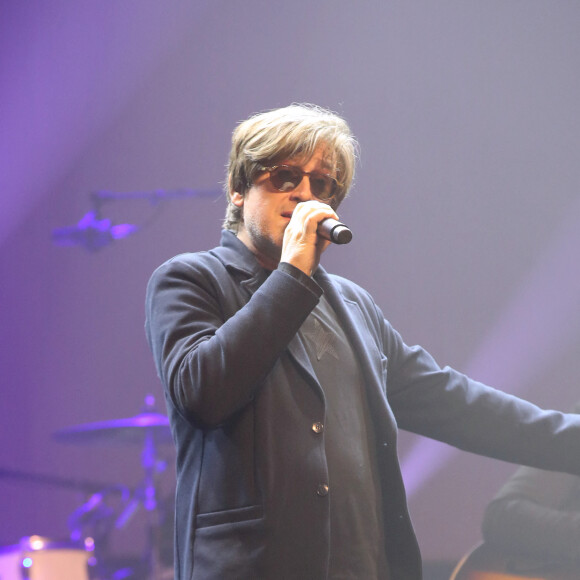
(465,212)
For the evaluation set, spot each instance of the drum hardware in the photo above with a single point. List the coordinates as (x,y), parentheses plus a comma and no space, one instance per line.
(94,509)
(40,558)
(93,232)
(107,506)
(87,487)
(148,429)
(89,525)
(95,519)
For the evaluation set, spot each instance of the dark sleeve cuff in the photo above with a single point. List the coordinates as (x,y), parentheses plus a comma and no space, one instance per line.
(301,277)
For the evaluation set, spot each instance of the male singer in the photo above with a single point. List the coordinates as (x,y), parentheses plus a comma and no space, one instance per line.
(285,385)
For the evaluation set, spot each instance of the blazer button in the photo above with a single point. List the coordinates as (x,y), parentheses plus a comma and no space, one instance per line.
(322,489)
(317,427)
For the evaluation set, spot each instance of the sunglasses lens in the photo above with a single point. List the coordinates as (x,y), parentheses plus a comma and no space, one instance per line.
(322,186)
(285,178)
(288,178)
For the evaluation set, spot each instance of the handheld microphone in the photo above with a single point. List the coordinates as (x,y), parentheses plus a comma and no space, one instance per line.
(334,231)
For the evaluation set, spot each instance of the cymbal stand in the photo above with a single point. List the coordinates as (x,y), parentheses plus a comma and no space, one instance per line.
(150,467)
(146,495)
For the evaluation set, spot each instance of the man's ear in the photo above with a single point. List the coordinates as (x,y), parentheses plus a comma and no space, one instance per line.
(237,199)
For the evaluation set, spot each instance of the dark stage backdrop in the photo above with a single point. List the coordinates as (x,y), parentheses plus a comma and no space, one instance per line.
(465,212)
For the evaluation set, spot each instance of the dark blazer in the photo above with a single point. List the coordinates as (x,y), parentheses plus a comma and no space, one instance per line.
(247,415)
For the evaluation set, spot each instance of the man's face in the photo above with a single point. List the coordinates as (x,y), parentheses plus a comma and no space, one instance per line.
(267,211)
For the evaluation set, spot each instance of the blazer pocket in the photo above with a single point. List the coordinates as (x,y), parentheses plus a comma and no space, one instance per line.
(232,516)
(229,544)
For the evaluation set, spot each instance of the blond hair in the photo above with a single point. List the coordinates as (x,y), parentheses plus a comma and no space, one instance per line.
(296,131)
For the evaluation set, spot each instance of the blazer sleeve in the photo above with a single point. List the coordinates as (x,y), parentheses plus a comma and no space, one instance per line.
(446,405)
(213,344)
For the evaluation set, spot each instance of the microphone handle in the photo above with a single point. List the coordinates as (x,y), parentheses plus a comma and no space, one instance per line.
(334,231)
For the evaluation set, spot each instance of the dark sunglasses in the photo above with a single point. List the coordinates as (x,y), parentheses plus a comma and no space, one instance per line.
(288,178)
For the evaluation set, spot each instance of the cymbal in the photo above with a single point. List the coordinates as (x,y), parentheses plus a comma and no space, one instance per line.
(119,431)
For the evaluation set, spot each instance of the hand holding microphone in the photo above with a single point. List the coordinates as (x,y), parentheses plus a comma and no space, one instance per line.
(313,226)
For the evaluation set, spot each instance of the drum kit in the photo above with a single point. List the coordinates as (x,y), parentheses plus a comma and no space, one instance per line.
(85,555)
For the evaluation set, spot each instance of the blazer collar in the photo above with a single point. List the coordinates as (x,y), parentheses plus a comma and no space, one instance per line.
(237,258)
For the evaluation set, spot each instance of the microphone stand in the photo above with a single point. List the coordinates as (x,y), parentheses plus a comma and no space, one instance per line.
(94,232)
(100,197)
